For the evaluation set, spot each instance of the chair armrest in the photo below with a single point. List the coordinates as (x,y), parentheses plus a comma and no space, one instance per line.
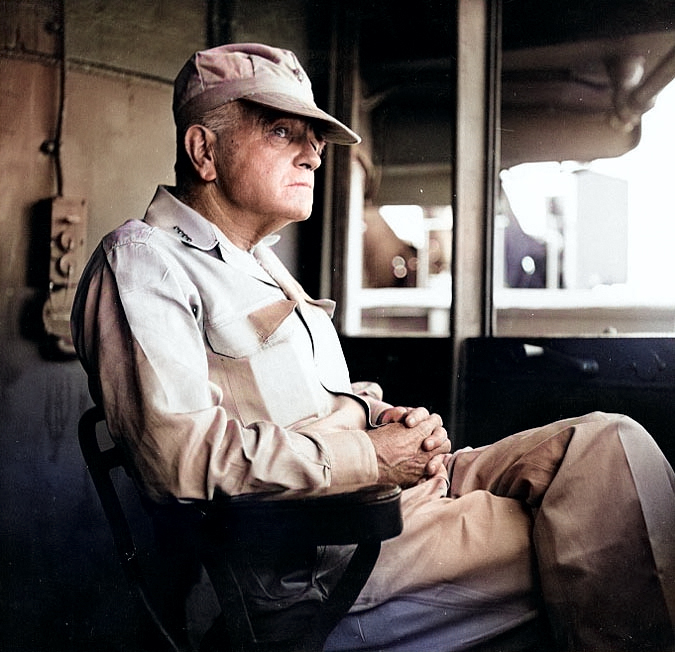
(328,516)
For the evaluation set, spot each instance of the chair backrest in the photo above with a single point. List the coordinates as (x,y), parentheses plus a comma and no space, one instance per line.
(101,461)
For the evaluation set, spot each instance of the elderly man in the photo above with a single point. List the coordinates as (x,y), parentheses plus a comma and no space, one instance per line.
(217,371)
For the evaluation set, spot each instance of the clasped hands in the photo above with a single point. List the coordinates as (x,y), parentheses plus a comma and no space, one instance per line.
(411,445)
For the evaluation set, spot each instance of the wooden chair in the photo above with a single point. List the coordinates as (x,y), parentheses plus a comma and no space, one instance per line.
(363,515)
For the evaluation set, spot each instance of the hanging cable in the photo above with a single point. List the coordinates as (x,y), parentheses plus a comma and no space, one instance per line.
(53,147)
(61,20)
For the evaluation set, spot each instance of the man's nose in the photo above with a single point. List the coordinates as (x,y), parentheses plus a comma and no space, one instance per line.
(310,154)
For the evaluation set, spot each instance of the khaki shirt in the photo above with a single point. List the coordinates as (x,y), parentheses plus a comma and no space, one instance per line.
(214,368)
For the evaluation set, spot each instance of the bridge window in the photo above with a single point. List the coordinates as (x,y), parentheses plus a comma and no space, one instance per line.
(586,248)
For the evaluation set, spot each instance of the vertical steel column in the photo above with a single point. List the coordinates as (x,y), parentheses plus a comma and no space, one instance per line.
(343,102)
(475,173)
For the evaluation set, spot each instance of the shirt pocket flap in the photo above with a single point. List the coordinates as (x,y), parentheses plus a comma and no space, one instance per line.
(266,320)
(245,335)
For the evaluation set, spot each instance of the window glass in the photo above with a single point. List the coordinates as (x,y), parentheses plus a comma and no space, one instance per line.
(587,248)
(399,236)
(405,284)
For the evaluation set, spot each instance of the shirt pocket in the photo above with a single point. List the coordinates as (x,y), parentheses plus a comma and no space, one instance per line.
(246,334)
(265,366)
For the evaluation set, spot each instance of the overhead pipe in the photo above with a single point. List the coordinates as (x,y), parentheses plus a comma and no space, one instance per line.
(634,96)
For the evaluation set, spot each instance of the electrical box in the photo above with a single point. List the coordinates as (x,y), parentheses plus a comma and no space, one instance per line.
(67,252)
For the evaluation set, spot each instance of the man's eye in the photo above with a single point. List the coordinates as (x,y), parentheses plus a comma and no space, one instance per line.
(281,132)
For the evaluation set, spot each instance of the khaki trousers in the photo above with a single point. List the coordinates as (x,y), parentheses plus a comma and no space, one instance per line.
(578,516)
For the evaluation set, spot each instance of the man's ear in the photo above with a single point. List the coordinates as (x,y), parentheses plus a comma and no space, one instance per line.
(199,142)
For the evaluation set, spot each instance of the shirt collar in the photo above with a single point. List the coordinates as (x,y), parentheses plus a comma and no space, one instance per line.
(169,214)
(172,215)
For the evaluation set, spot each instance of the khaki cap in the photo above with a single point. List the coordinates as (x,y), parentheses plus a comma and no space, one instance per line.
(254,72)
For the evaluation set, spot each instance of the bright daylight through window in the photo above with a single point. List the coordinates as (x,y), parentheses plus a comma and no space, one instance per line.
(587,248)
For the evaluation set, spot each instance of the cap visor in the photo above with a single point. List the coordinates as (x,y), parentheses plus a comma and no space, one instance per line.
(333,130)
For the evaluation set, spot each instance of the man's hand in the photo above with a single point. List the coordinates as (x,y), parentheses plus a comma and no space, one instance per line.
(407,443)
(411,417)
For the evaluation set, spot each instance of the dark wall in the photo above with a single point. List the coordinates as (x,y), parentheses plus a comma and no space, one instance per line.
(411,371)
(61,587)
(506,390)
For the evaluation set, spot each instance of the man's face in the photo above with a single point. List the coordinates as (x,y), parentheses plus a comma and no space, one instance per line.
(266,171)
